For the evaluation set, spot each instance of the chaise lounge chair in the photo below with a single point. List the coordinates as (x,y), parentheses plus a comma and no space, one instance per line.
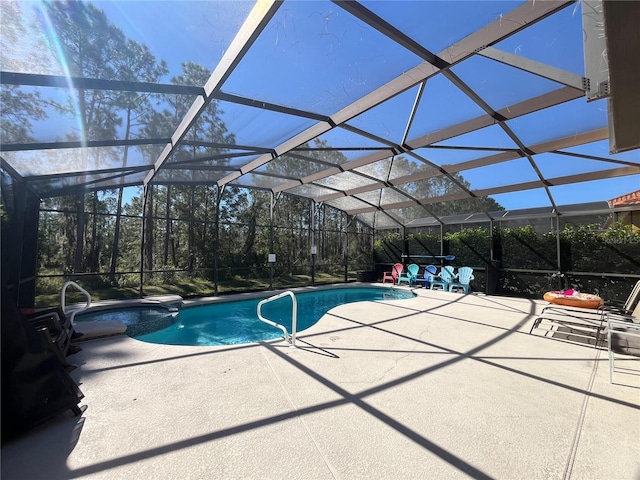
(583,323)
(609,306)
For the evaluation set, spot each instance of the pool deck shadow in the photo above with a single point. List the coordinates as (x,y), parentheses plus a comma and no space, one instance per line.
(441,386)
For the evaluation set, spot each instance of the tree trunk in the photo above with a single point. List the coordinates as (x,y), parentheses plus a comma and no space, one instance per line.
(191,235)
(323,233)
(205,221)
(93,252)
(149,232)
(167,232)
(116,239)
(77,261)
(115,251)
(250,239)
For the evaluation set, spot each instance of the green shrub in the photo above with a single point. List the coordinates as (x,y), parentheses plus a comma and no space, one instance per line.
(584,249)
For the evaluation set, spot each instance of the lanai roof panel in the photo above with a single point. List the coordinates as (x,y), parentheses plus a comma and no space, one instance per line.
(57,185)
(256,180)
(556,40)
(347,56)
(445,157)
(251,125)
(560,121)
(29,163)
(446,25)
(513,171)
(500,85)
(349,203)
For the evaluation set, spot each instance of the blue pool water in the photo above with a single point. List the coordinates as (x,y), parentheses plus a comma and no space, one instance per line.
(230,323)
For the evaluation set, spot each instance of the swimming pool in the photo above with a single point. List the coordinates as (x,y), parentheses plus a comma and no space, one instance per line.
(236,322)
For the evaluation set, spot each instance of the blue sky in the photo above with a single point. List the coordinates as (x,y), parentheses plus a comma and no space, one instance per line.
(350,60)
(162,25)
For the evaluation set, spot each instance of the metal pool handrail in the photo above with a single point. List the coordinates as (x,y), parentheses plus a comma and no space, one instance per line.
(63,299)
(291,339)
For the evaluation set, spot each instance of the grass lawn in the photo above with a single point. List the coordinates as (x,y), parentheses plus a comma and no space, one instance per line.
(48,293)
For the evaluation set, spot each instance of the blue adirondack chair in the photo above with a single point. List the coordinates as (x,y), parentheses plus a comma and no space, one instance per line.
(410,275)
(429,273)
(444,278)
(464,276)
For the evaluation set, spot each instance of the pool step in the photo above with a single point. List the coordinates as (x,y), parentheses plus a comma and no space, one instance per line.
(165,300)
(105,328)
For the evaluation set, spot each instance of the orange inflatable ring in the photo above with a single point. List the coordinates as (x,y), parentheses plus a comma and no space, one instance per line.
(573,299)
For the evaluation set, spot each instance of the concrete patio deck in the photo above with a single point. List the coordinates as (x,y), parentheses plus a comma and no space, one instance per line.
(441,386)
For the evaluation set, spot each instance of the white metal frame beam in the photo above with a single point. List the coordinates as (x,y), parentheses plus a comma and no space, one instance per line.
(553,182)
(492,33)
(522,108)
(537,68)
(545,147)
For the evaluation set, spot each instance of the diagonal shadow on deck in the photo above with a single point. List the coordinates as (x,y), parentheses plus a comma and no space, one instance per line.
(354,399)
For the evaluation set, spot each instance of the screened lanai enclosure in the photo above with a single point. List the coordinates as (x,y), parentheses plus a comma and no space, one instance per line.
(206,147)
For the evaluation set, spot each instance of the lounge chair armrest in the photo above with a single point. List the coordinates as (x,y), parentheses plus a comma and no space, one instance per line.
(615,309)
(621,321)
(616,304)
(616,318)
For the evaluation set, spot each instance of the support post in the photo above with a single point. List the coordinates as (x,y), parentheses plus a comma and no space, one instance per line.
(80,223)
(271,209)
(494,265)
(558,243)
(405,244)
(491,248)
(29,256)
(216,253)
(19,242)
(346,249)
(313,243)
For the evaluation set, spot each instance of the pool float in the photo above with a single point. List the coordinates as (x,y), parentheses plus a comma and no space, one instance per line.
(573,298)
